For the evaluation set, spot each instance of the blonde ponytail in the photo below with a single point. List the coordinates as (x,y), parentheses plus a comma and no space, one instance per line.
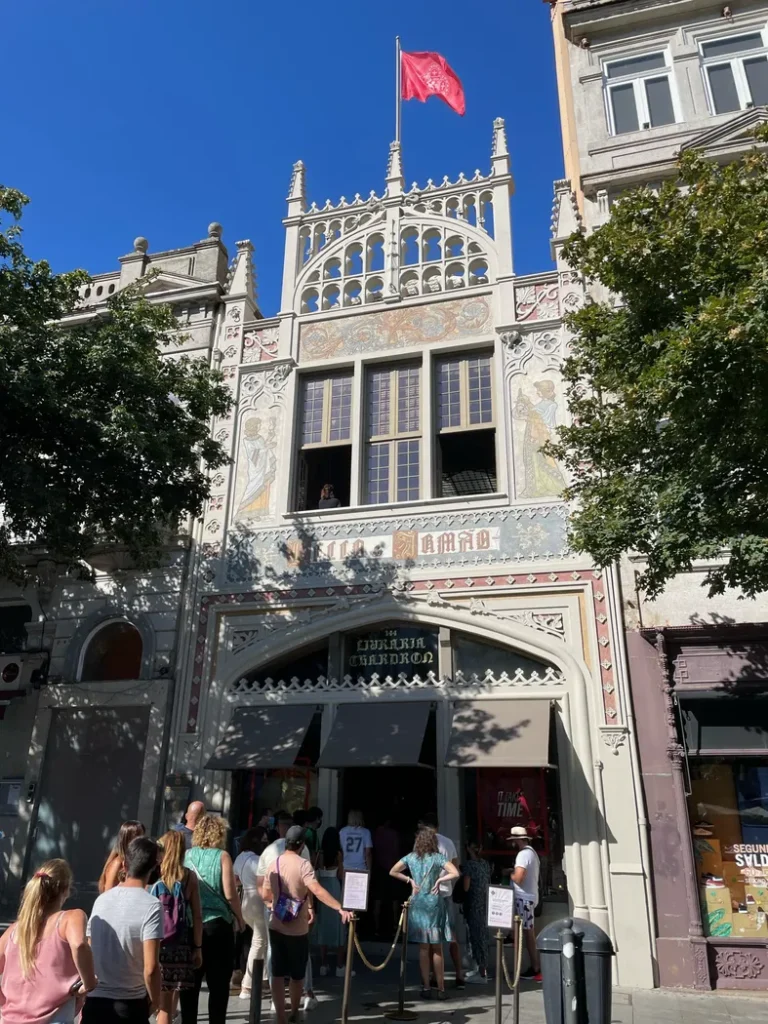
(41,894)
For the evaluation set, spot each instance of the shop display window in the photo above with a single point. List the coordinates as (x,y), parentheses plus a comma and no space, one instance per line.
(728,809)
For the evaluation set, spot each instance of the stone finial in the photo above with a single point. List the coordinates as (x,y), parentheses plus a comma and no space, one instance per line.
(215,230)
(140,244)
(395,180)
(499,147)
(298,183)
(242,276)
(566,218)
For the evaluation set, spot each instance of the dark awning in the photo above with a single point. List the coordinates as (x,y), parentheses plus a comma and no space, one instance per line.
(263,737)
(376,734)
(499,734)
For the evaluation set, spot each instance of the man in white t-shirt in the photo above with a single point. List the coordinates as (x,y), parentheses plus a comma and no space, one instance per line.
(447,848)
(525,880)
(356,843)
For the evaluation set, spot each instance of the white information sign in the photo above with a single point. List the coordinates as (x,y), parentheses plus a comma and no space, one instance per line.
(501,906)
(355,895)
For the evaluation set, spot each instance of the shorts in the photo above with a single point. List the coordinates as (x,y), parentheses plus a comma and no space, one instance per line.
(289,955)
(115,1011)
(524,909)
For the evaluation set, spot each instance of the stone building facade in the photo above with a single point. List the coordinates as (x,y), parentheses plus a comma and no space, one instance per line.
(638,81)
(427,641)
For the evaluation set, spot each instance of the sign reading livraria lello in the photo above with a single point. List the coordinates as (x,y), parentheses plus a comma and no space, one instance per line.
(387,652)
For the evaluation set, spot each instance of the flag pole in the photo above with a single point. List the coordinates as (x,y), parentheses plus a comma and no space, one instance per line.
(398,89)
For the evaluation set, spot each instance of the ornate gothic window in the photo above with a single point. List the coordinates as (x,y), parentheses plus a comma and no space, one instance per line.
(326,439)
(393,432)
(465,426)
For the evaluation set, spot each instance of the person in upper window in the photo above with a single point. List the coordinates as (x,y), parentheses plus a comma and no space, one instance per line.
(327,498)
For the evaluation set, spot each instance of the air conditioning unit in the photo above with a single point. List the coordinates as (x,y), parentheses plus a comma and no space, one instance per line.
(19,671)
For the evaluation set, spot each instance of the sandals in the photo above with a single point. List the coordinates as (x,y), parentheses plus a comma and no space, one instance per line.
(441,995)
(426,993)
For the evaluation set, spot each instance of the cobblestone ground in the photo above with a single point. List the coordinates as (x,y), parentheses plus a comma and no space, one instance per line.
(374,994)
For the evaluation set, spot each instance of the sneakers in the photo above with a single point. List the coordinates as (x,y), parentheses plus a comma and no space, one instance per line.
(325,970)
(309,1003)
(531,975)
(245,993)
(477,979)
(340,972)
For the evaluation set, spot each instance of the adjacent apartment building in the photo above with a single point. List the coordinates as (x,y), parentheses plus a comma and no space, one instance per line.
(639,81)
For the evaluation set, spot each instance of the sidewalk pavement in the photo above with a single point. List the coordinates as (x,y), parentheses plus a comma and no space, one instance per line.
(373,994)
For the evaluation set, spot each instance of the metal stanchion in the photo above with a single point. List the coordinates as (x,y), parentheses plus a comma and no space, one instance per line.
(401,1013)
(518,953)
(570,979)
(257,979)
(348,969)
(499,972)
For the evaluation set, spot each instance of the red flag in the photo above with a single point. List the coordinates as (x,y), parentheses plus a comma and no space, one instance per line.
(429,74)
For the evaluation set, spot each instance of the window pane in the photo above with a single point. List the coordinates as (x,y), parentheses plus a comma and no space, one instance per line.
(377,474)
(659,101)
(480,406)
(757,76)
(378,403)
(312,420)
(635,65)
(407,470)
(449,394)
(736,44)
(341,409)
(624,110)
(723,88)
(408,400)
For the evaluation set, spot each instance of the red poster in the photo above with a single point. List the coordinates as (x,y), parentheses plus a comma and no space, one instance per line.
(507,797)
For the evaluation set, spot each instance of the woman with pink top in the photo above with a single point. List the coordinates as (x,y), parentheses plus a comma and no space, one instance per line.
(46,964)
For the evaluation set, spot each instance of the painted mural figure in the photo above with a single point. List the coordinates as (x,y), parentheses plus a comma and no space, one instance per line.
(261,463)
(543,476)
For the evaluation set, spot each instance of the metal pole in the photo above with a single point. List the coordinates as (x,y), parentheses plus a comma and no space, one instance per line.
(257,977)
(348,970)
(401,1013)
(499,972)
(518,933)
(569,969)
(398,89)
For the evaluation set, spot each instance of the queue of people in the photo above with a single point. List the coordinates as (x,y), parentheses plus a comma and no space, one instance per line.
(173,913)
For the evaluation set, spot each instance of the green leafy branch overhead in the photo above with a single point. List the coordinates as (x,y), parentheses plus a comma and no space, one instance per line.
(103,439)
(668,391)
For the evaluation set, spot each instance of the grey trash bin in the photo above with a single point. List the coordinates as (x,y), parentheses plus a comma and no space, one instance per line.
(593,966)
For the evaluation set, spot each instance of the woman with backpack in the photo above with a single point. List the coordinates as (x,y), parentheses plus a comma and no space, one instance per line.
(46,963)
(181,949)
(220,906)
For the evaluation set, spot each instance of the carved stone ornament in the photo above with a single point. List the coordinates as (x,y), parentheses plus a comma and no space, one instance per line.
(613,739)
(739,964)
(700,966)
(547,346)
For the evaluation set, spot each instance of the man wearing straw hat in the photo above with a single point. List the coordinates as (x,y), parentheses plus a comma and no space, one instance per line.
(525,880)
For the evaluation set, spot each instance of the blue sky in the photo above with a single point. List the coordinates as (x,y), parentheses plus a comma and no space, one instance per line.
(133,117)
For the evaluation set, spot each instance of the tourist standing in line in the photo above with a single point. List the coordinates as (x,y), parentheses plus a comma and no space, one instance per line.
(45,958)
(221,911)
(113,871)
(192,815)
(447,847)
(125,929)
(284,821)
(525,879)
(286,891)
(476,879)
(329,931)
(428,916)
(181,949)
(356,843)
(254,945)
(388,893)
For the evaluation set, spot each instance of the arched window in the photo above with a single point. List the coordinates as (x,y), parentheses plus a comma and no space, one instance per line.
(113,652)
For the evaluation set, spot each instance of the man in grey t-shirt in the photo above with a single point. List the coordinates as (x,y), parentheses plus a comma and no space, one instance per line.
(125,929)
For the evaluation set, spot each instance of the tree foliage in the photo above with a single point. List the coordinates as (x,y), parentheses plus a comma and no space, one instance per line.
(668,389)
(103,439)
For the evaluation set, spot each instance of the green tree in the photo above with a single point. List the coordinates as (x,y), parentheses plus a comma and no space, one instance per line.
(103,440)
(668,390)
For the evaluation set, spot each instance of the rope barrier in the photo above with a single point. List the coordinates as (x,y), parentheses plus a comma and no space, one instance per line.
(389,955)
(518,956)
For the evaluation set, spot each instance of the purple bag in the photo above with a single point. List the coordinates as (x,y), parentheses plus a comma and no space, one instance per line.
(176,912)
(286,909)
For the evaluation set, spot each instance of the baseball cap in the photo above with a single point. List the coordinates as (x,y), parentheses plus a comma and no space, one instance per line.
(518,832)
(295,834)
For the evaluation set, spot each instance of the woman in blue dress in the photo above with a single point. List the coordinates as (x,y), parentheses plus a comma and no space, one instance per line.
(427,914)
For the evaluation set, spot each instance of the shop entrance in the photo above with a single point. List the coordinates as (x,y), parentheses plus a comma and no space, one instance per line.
(399,795)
